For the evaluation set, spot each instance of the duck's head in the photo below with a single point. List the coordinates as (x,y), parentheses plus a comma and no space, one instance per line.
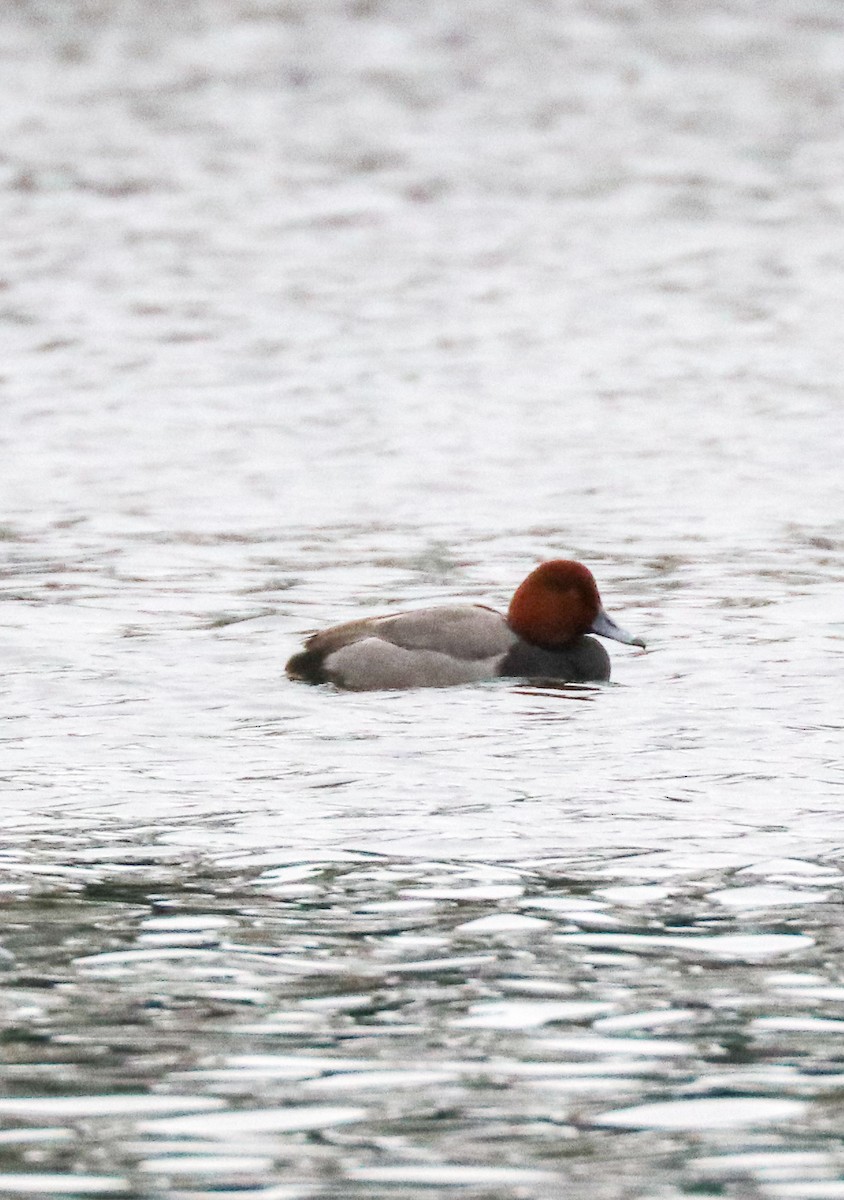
(558,603)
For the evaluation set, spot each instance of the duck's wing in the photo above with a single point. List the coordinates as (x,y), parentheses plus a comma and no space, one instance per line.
(462,631)
(429,647)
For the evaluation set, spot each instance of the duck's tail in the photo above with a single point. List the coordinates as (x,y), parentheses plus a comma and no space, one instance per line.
(307,666)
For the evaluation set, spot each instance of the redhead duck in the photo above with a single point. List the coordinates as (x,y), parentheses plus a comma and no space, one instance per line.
(542,636)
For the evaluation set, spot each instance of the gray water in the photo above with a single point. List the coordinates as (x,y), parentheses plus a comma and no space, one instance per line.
(316,309)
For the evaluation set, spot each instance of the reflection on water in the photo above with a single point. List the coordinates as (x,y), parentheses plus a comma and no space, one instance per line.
(360,1025)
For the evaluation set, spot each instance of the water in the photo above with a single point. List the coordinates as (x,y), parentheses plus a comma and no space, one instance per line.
(311,311)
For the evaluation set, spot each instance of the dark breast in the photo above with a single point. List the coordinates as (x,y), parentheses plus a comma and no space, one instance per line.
(585,660)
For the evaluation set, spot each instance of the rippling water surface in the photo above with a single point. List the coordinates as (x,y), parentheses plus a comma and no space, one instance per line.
(312,310)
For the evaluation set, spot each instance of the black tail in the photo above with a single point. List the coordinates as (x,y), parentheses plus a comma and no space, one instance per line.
(309,666)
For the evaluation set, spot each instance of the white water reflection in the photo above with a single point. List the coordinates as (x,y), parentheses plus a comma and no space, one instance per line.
(112,1106)
(449,1174)
(318,1015)
(254,1121)
(32,1183)
(722,1113)
(740,946)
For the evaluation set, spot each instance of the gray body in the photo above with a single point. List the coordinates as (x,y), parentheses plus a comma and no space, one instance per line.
(438,647)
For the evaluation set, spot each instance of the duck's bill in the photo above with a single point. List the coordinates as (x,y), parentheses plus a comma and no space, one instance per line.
(605,626)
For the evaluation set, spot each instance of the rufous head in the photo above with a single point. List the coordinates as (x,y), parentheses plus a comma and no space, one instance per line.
(558,603)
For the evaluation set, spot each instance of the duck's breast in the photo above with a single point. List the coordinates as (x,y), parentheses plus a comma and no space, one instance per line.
(585,660)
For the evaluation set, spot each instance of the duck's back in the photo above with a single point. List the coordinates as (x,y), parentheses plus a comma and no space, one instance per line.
(428,647)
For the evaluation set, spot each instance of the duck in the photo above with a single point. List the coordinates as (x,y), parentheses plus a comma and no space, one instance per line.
(543,635)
